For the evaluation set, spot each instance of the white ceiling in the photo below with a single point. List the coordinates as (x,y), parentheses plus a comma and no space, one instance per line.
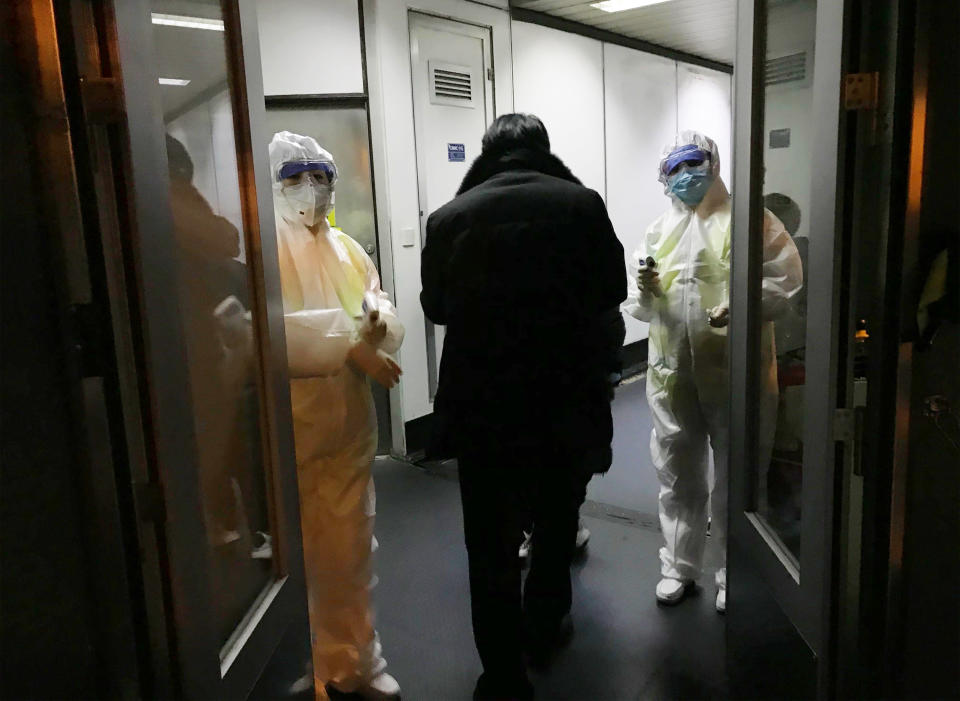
(197,55)
(705,28)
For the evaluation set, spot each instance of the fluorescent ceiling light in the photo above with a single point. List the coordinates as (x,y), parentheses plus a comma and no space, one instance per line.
(621,5)
(215,25)
(173,81)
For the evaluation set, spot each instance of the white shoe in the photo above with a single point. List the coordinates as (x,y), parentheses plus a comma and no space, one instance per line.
(722,600)
(583,535)
(526,546)
(302,685)
(671,591)
(382,687)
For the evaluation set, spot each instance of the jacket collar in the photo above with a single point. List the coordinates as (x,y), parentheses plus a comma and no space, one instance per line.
(491,163)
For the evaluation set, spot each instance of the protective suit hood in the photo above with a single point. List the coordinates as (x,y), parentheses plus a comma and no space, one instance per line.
(291,154)
(689,146)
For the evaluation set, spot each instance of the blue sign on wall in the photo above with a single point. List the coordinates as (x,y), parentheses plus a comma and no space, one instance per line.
(456,152)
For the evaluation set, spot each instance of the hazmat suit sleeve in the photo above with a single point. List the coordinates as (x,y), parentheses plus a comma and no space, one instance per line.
(318,341)
(641,305)
(782,269)
(395,330)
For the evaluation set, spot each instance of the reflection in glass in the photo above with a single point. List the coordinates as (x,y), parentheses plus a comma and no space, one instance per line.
(215,301)
(791,29)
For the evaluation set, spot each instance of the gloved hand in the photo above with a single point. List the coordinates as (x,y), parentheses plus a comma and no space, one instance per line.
(374,329)
(375,364)
(648,281)
(233,323)
(719,316)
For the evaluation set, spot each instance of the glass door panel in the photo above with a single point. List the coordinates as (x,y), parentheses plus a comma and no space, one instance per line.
(787,171)
(786,290)
(215,302)
(202,245)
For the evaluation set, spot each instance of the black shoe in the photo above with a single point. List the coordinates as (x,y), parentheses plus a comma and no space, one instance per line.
(492,689)
(544,641)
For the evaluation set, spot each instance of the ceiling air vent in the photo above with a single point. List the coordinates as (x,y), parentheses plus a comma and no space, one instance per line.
(451,84)
(791,68)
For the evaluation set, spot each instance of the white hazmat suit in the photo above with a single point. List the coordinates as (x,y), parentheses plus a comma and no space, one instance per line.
(687,375)
(327,279)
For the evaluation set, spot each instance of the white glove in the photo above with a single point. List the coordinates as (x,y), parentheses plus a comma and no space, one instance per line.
(648,281)
(375,364)
(374,329)
(234,323)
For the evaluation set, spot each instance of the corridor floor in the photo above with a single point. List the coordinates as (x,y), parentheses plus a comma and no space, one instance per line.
(625,646)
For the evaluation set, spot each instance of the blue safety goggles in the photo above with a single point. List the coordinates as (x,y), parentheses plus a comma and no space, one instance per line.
(289,170)
(685,154)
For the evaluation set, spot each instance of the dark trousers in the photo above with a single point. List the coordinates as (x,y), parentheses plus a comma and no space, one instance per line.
(499,486)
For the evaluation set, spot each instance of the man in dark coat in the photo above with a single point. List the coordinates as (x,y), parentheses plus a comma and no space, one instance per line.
(524,269)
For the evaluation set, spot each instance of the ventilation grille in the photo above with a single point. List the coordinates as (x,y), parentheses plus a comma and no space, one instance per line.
(786,69)
(451,85)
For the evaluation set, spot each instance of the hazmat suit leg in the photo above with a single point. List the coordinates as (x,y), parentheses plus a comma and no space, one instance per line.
(337,507)
(678,446)
(718,426)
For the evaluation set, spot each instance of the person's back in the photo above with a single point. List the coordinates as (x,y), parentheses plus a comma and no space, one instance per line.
(524,269)
(519,268)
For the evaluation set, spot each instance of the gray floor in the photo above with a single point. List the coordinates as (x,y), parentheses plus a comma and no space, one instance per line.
(632,481)
(625,645)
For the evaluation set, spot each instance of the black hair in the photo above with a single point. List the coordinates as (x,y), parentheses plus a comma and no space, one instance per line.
(516,131)
(785,209)
(179,163)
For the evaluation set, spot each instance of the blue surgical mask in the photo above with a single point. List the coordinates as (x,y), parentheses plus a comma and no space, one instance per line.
(691,185)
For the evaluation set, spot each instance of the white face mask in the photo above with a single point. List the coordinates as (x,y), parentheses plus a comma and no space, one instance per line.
(309,201)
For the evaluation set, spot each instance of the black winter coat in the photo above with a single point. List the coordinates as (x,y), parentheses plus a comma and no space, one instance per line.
(525,271)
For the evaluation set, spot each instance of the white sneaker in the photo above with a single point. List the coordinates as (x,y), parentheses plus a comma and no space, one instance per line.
(583,535)
(302,685)
(671,591)
(382,687)
(721,600)
(526,546)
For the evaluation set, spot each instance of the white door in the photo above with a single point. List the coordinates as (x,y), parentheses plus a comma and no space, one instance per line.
(452,70)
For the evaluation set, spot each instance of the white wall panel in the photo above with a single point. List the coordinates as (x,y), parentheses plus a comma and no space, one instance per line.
(310,47)
(641,110)
(703,104)
(559,77)
(788,169)
(790,106)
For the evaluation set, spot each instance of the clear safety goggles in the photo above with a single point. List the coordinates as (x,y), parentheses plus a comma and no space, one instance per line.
(689,154)
(293,169)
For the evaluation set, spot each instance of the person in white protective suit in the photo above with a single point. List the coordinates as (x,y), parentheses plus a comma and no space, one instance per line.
(340,328)
(679,282)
